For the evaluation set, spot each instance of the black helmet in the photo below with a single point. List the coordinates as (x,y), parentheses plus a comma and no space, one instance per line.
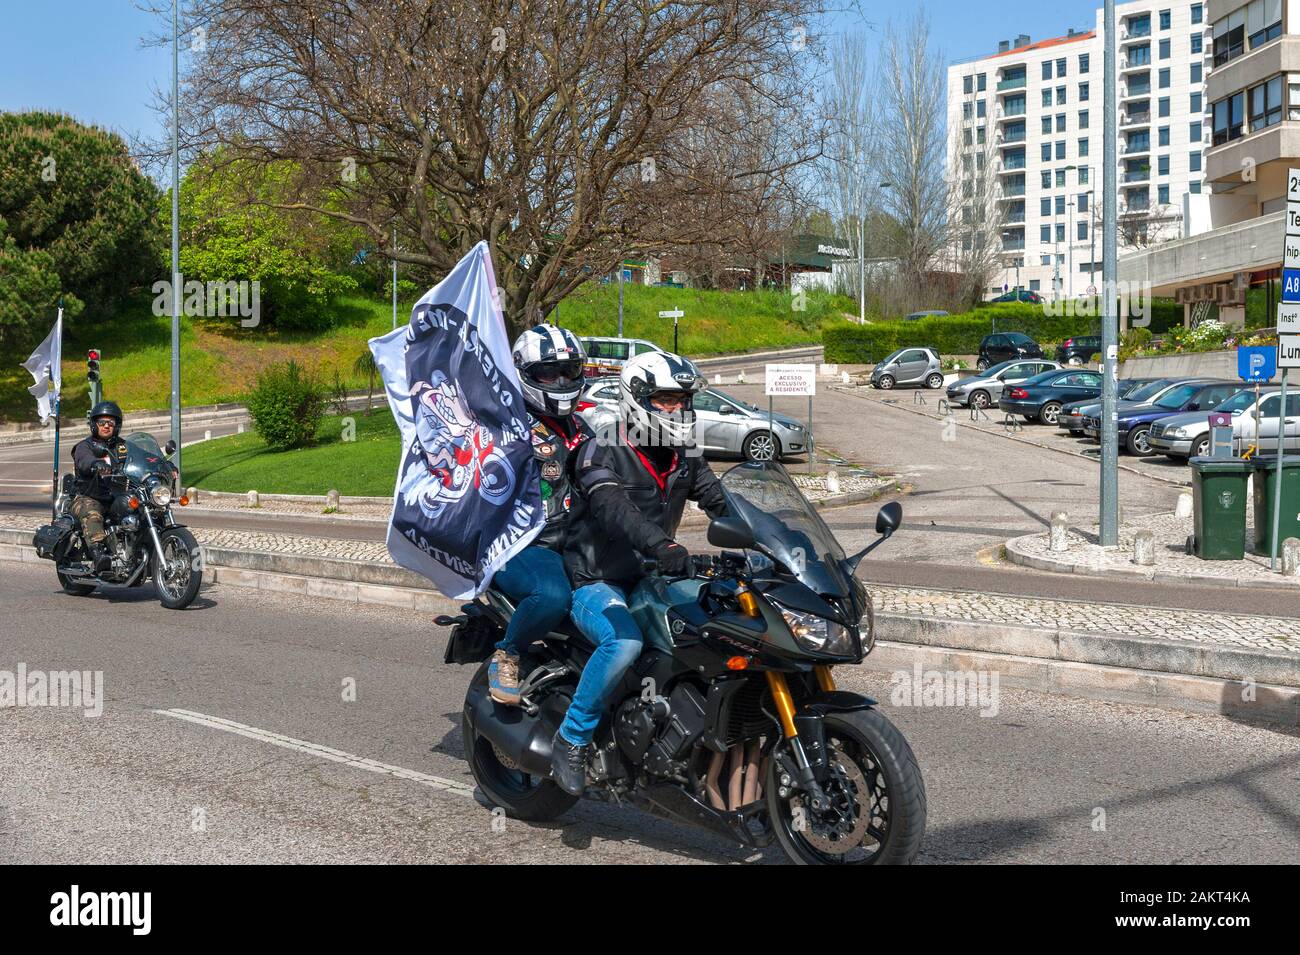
(106,409)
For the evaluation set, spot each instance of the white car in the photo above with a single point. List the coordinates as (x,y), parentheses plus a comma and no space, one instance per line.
(1187,435)
(606,356)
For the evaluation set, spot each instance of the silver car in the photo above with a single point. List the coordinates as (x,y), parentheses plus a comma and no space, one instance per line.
(1187,435)
(908,366)
(724,424)
(984,389)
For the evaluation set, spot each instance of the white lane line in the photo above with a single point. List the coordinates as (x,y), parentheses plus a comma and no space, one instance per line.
(323,752)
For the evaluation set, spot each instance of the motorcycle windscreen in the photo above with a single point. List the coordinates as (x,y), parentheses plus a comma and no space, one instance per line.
(787,526)
(145,457)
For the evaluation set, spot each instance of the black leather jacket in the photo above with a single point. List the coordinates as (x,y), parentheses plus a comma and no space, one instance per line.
(86,454)
(625,507)
(555,446)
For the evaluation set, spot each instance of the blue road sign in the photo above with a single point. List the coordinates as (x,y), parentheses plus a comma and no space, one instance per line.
(1257,363)
(1291,285)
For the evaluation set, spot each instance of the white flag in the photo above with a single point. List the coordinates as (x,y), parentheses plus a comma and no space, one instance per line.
(468,495)
(46,368)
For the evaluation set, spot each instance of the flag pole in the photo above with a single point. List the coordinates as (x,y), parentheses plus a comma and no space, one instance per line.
(58,401)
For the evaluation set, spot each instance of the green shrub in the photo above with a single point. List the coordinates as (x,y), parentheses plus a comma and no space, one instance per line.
(1136,338)
(287,405)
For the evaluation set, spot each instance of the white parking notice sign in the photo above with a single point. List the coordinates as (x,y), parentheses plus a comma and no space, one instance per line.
(790,380)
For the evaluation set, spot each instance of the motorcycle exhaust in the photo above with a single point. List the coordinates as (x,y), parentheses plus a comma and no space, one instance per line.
(524,739)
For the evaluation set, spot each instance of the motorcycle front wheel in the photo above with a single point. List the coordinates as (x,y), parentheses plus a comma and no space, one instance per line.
(177,573)
(522,795)
(876,792)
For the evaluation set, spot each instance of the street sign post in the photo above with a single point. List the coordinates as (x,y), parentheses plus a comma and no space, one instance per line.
(791,380)
(1288,337)
(674,314)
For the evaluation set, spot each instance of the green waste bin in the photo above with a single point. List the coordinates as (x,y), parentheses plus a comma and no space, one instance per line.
(1219,512)
(1265,490)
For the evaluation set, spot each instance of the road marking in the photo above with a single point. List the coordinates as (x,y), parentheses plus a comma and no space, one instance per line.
(323,752)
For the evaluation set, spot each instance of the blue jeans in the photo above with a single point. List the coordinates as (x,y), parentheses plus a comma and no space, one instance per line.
(600,612)
(534,579)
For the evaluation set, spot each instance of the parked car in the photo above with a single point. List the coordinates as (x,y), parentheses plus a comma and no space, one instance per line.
(917,316)
(983,390)
(1017,295)
(1133,424)
(1078,350)
(1126,389)
(909,366)
(1004,346)
(723,423)
(1187,435)
(1040,398)
(606,356)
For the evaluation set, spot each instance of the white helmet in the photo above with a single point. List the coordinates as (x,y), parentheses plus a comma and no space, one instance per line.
(550,361)
(651,374)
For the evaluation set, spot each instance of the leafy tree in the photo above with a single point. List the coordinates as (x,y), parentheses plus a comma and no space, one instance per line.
(29,292)
(73,192)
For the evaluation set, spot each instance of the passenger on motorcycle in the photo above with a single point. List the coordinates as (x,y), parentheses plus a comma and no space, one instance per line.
(93,458)
(633,484)
(549,360)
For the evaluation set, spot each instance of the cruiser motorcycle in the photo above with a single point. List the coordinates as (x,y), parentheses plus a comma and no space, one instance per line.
(141,536)
(730,719)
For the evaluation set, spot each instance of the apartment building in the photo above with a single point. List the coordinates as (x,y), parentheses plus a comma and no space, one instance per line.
(1030,115)
(1234,229)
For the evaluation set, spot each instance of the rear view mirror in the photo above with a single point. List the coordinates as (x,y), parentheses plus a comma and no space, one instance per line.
(888,518)
(169,448)
(730,532)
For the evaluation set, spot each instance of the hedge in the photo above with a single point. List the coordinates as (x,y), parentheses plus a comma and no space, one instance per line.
(961,334)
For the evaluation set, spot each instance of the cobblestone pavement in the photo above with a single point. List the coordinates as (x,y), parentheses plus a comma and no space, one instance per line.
(1170,536)
(1237,630)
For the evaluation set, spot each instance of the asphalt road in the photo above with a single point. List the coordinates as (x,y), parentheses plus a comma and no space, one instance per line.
(158,777)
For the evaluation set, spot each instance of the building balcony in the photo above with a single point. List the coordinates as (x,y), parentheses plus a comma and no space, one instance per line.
(1014,218)
(1015,83)
(1012,192)
(1016,136)
(1142,118)
(1127,65)
(1008,113)
(1133,34)
(1255,66)
(1270,151)
(1013,245)
(1141,176)
(1134,90)
(1135,147)
(1009,166)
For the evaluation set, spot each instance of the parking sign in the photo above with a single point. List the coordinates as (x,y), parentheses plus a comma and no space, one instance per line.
(1257,363)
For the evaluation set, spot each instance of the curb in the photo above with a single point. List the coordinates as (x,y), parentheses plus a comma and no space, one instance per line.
(1011,437)
(1036,562)
(1182,676)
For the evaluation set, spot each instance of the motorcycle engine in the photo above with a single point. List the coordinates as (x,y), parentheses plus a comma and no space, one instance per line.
(658,734)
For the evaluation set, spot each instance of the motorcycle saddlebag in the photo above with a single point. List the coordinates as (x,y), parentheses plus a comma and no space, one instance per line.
(55,541)
(473,638)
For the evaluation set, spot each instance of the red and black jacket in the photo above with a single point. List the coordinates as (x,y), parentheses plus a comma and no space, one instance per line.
(627,504)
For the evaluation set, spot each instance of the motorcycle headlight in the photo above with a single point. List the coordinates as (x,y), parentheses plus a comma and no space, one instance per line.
(160,494)
(817,634)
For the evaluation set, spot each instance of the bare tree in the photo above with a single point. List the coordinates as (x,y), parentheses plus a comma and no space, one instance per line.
(553,130)
(976,211)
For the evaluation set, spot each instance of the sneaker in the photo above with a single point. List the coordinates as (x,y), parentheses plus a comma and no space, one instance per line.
(503,678)
(568,765)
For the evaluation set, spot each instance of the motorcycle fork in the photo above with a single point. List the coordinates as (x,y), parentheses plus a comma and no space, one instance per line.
(804,771)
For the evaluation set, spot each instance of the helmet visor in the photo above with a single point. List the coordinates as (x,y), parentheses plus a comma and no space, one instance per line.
(556,374)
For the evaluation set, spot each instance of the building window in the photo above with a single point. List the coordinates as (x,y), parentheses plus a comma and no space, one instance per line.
(1264,21)
(1060,67)
(1045,206)
(1197,11)
(1162,136)
(965,137)
(1060,178)
(1060,205)
(967,84)
(1047,152)
(979,136)
(1083,92)
(1047,69)
(1045,259)
(981,83)
(1194,160)
(1045,233)
(1060,149)
(1083,202)
(1047,179)
(1266,104)
(1047,96)
(1164,19)
(1083,63)
(1034,285)
(979,109)
(1083,230)
(1060,96)
(1083,147)
(1230,37)
(1196,72)
(1083,119)
(1194,132)
(965,110)
(1196,43)
(1060,232)
(1060,122)
(1162,195)
(1164,78)
(1195,103)
(1164,49)
(1163,106)
(1194,188)
(1047,125)
(1083,175)
(1162,165)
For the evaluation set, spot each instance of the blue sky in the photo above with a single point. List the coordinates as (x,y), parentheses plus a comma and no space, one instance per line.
(85,57)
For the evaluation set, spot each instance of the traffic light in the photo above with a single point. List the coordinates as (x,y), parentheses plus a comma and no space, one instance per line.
(92,375)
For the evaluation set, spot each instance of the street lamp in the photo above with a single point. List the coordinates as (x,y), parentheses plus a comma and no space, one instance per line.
(862,262)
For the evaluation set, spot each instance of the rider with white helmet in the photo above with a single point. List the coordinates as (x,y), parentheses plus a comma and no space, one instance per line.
(549,361)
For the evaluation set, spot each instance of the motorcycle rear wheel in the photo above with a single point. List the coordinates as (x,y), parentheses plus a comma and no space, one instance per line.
(70,587)
(874,772)
(520,794)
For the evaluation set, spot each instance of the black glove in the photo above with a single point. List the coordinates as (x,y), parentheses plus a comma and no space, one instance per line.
(101,468)
(99,447)
(673,558)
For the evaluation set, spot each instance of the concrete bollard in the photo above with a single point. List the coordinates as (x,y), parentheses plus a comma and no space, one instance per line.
(193,494)
(241,428)
(1291,557)
(252,499)
(207,435)
(1144,548)
(740,379)
(832,482)
(844,378)
(717,378)
(1184,506)
(1058,540)
(332,499)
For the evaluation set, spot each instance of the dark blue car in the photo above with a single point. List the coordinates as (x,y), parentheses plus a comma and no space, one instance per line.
(1133,425)
(1040,398)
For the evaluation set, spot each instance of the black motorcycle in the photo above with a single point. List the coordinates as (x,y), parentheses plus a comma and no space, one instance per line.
(730,719)
(142,539)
